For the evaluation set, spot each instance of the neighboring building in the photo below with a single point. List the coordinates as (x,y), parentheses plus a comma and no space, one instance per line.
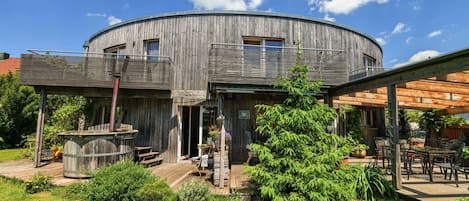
(8,64)
(184,68)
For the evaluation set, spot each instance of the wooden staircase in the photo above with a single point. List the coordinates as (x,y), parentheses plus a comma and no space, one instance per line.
(147,157)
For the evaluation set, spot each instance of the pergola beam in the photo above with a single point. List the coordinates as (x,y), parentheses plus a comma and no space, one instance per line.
(384,102)
(438,86)
(424,94)
(442,65)
(410,99)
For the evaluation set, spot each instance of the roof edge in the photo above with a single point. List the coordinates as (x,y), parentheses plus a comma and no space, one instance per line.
(231,12)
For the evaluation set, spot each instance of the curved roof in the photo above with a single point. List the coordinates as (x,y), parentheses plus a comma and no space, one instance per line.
(248,13)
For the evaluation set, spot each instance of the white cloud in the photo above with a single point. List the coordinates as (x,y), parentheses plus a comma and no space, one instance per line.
(400,28)
(408,40)
(329,18)
(227,4)
(113,20)
(415,5)
(340,6)
(393,61)
(96,14)
(381,41)
(419,56)
(434,33)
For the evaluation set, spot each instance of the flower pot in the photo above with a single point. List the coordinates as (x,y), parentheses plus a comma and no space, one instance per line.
(345,161)
(359,153)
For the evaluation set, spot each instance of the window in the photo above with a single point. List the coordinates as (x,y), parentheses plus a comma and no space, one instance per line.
(262,57)
(113,57)
(152,50)
(368,61)
(115,52)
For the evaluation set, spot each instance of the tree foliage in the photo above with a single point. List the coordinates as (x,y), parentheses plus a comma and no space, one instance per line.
(18,113)
(18,106)
(300,160)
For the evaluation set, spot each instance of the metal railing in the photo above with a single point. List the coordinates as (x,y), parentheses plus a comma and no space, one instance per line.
(365,72)
(253,64)
(61,68)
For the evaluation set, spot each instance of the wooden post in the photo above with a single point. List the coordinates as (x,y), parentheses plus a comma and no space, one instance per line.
(394,135)
(222,152)
(328,99)
(40,128)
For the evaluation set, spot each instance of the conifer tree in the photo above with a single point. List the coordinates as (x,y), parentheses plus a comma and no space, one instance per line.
(300,160)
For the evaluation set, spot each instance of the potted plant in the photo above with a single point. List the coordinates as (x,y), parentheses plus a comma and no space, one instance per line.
(360,151)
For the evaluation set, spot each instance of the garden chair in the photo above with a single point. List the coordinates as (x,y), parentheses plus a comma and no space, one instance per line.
(455,163)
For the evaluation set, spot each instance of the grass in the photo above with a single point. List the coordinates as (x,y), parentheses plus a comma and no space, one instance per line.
(14,190)
(12,154)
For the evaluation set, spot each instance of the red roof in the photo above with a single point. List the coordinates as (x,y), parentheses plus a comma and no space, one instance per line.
(11,64)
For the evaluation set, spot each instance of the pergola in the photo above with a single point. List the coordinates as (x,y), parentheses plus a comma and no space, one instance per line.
(441,82)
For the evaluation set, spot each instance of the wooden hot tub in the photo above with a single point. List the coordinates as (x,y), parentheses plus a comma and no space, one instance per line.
(88,150)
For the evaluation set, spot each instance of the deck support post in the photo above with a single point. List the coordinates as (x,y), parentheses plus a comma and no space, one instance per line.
(40,128)
(221,119)
(393,132)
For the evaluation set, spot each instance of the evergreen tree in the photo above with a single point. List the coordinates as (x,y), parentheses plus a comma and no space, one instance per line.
(300,160)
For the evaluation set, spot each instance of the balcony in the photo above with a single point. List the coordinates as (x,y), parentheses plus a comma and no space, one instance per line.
(66,69)
(365,72)
(263,65)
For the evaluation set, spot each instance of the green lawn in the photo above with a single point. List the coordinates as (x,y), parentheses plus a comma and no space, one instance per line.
(14,190)
(12,154)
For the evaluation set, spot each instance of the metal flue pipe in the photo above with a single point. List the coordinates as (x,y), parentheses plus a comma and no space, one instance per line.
(116,75)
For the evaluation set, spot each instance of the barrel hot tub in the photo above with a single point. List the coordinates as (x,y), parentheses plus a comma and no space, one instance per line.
(86,151)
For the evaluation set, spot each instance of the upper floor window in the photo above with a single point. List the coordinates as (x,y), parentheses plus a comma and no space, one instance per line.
(262,56)
(369,61)
(152,50)
(115,51)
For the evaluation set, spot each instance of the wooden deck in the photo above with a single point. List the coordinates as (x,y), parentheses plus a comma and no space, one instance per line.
(24,170)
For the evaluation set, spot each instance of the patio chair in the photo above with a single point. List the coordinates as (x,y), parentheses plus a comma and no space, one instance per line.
(454,164)
(383,151)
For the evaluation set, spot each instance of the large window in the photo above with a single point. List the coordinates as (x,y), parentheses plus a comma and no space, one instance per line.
(114,55)
(115,51)
(262,56)
(368,61)
(152,50)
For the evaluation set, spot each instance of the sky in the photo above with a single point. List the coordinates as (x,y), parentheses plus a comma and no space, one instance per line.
(408,30)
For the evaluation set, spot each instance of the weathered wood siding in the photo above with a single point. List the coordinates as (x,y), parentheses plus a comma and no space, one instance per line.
(238,127)
(153,118)
(186,40)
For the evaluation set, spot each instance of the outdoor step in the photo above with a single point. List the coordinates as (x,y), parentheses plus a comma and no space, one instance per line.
(143,148)
(151,161)
(148,155)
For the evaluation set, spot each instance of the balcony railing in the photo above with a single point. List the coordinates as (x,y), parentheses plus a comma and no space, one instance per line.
(365,72)
(263,65)
(94,70)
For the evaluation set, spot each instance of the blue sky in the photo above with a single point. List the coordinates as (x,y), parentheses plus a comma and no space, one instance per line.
(409,30)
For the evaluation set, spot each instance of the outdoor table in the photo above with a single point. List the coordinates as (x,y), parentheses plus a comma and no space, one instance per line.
(430,153)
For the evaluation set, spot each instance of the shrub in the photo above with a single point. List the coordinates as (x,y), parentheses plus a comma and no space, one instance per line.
(38,183)
(193,190)
(119,181)
(224,198)
(158,190)
(372,185)
(76,191)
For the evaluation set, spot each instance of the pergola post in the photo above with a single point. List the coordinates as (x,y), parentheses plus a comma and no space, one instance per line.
(393,131)
(40,128)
